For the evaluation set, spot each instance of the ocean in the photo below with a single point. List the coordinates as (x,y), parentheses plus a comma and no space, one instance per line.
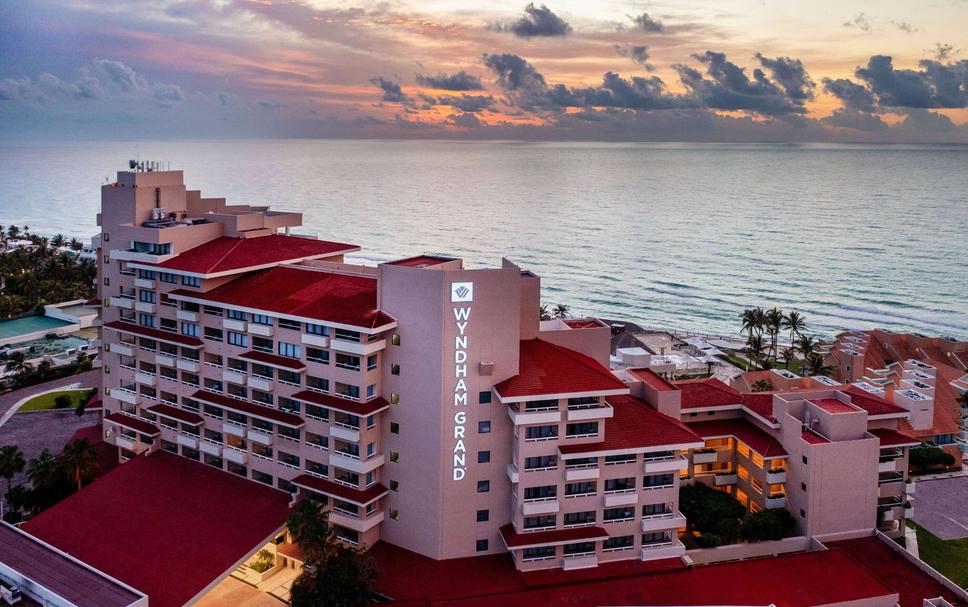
(678,236)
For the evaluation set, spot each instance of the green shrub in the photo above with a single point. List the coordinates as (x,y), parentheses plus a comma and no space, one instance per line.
(926,457)
(264,561)
(63,401)
(765,525)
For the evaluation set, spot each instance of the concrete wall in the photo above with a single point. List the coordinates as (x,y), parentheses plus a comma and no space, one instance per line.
(705,556)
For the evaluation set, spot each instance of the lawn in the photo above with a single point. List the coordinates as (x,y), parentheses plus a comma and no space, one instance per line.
(950,557)
(44,402)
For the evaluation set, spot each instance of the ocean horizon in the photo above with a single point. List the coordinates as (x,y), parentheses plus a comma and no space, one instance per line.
(681,236)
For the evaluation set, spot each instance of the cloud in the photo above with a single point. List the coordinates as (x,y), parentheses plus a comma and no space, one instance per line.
(537,21)
(392,92)
(791,75)
(729,88)
(270,105)
(632,93)
(638,54)
(854,96)
(647,24)
(461,81)
(904,26)
(467,103)
(944,52)
(853,119)
(860,21)
(935,85)
(117,73)
(467,121)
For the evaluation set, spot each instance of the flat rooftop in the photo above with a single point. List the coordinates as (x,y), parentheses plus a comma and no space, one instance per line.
(28,325)
(164,525)
(81,585)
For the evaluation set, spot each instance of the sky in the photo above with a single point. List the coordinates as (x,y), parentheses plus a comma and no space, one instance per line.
(705,70)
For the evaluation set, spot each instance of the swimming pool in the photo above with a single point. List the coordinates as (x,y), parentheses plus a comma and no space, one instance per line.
(27,327)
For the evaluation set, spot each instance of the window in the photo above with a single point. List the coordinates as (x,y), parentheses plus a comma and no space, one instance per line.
(317,384)
(346,335)
(238,339)
(371,362)
(236,314)
(146,296)
(651,539)
(582,429)
(541,492)
(190,329)
(539,522)
(395,369)
(582,488)
(481,545)
(146,320)
(394,428)
(484,397)
(288,377)
(395,339)
(579,548)
(394,486)
(540,432)
(620,459)
(622,542)
(317,355)
(167,277)
(483,486)
(262,344)
(261,319)
(289,350)
(538,554)
(540,462)
(191,281)
(483,457)
(371,391)
(620,484)
(484,427)
(285,323)
(212,311)
(742,449)
(146,274)
(657,480)
(483,516)
(213,334)
(167,324)
(314,329)
(347,361)
(655,509)
(804,459)
(803,486)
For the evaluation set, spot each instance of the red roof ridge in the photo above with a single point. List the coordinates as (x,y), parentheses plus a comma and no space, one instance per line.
(582,358)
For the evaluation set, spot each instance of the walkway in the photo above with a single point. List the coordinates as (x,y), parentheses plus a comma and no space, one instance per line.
(87,379)
(940,506)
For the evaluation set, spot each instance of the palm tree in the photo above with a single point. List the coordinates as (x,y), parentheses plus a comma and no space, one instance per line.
(44,470)
(79,460)
(787,356)
(773,320)
(12,462)
(544,313)
(795,322)
(817,364)
(76,245)
(561,310)
(754,345)
(57,241)
(13,232)
(311,531)
(806,344)
(753,321)
(17,363)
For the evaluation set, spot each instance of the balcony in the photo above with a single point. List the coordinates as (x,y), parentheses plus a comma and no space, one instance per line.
(357,348)
(164,360)
(144,306)
(890,465)
(338,517)
(126,396)
(145,378)
(512,471)
(352,463)
(534,417)
(122,349)
(234,455)
(187,441)
(728,478)
(129,443)
(589,413)
(231,324)
(233,429)
(663,550)
(317,341)
(579,561)
(628,497)
(121,302)
(344,432)
(187,316)
(259,436)
(660,522)
(547,505)
(211,448)
(191,366)
(582,474)
(260,330)
(260,383)
(705,456)
(233,377)
(776,501)
(665,464)
(775,476)
(144,283)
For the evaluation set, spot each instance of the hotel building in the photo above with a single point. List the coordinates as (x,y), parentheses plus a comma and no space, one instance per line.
(430,411)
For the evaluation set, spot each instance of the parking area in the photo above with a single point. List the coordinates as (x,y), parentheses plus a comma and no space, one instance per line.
(939,506)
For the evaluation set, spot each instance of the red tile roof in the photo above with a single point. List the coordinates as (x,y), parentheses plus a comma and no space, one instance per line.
(636,425)
(546,369)
(361,497)
(175,413)
(832,405)
(584,323)
(653,379)
(273,360)
(913,584)
(710,392)
(421,261)
(133,423)
(164,508)
(893,438)
(873,404)
(166,336)
(242,406)
(784,581)
(760,403)
(336,298)
(743,431)
(227,254)
(813,438)
(513,539)
(341,404)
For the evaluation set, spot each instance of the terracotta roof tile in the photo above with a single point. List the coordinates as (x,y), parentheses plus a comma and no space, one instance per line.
(133,423)
(710,392)
(513,539)
(361,497)
(742,430)
(547,369)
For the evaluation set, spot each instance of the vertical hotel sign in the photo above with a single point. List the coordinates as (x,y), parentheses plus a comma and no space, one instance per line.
(461,295)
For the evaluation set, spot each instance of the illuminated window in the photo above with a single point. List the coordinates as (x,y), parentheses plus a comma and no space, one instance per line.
(743,449)
(776,488)
(757,460)
(741,497)
(395,339)
(757,485)
(755,507)
(743,473)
